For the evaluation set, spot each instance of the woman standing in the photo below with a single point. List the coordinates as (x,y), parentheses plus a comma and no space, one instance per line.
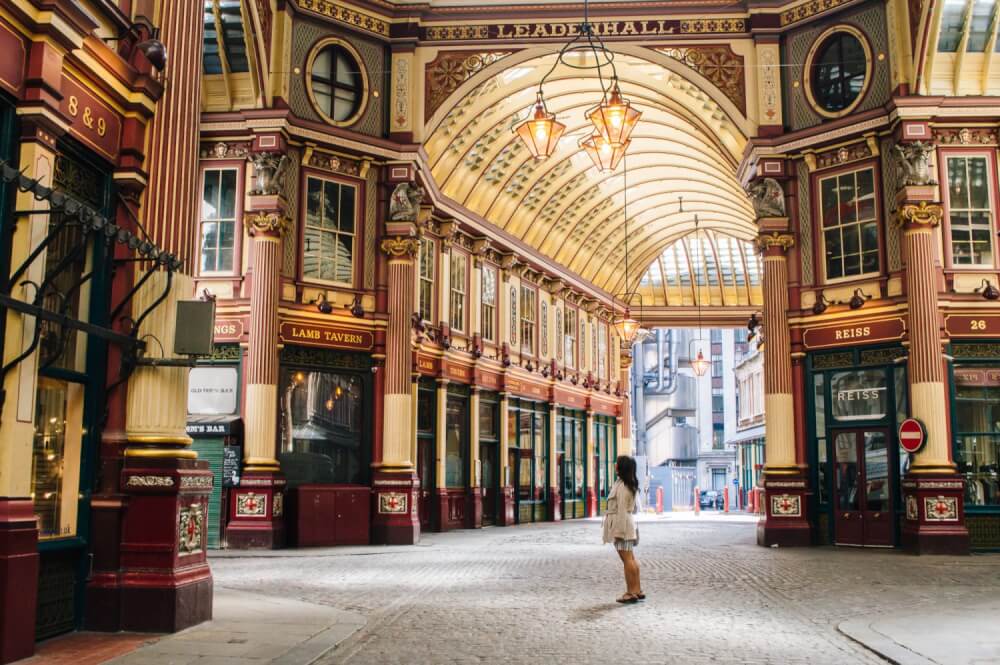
(619,525)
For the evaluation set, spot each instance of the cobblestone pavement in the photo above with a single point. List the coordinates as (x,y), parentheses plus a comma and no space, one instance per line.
(545,594)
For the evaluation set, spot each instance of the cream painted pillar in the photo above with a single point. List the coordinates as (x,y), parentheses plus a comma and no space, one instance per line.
(554,470)
(624,365)
(441,432)
(593,484)
(21,383)
(504,440)
(156,415)
(474,480)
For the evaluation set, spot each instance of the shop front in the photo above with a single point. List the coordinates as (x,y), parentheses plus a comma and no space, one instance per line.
(571,461)
(489,467)
(605,454)
(859,398)
(527,457)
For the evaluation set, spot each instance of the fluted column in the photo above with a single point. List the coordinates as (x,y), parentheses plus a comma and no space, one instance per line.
(784,522)
(395,520)
(933,491)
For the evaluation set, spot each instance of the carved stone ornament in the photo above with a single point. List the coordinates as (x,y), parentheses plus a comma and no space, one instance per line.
(767,197)
(913,163)
(269,173)
(399,246)
(404,204)
(774,239)
(719,64)
(266,222)
(150,481)
(919,214)
(223,150)
(965,136)
(190,528)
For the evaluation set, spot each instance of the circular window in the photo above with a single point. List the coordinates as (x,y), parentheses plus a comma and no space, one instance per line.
(838,71)
(336,81)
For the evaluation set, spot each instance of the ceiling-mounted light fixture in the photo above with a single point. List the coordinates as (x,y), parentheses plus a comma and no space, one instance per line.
(614,118)
(626,326)
(700,364)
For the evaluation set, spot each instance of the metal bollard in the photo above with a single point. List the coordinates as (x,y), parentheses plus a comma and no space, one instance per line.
(697,501)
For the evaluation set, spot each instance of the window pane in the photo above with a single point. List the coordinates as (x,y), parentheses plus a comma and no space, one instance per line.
(977,440)
(952,22)
(848,212)
(55,473)
(210,195)
(227,197)
(979,196)
(347,194)
(958,190)
(828,193)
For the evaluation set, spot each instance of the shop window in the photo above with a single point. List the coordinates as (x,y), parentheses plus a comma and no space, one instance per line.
(977,432)
(850,230)
(969,211)
(459,269)
(456,440)
(569,338)
(489,428)
(838,71)
(329,234)
(528,305)
(819,407)
(858,395)
(715,335)
(489,304)
(425,288)
(322,438)
(337,82)
(218,220)
(55,473)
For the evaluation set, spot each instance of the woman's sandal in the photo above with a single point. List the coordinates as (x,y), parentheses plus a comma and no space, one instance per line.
(627,598)
(640,596)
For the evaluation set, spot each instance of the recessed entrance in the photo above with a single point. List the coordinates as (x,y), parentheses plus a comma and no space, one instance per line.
(863,488)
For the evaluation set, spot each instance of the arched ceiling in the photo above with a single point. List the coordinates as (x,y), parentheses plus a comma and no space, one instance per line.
(687,144)
(705,268)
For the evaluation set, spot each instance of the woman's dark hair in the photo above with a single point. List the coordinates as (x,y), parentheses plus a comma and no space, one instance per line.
(625,468)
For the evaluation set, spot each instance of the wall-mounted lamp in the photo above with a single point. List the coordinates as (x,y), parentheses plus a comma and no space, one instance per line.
(989,291)
(821,304)
(857,301)
(357,311)
(323,305)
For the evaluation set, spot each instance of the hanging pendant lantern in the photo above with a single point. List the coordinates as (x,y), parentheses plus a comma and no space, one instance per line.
(541,132)
(614,119)
(699,364)
(626,327)
(604,155)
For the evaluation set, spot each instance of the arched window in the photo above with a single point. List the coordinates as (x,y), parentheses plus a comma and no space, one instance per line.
(839,71)
(337,83)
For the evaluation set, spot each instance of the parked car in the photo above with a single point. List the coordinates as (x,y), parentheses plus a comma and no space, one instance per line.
(711,499)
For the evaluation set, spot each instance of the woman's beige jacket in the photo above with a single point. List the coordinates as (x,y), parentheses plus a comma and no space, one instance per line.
(618,521)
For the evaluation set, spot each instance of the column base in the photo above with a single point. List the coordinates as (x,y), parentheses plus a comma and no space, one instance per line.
(935,514)
(18,578)
(505,516)
(257,512)
(104,587)
(165,581)
(474,508)
(785,522)
(555,505)
(394,513)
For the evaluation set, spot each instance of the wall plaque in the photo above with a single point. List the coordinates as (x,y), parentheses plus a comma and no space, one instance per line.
(90,120)
(228,330)
(972,325)
(853,334)
(331,337)
(428,365)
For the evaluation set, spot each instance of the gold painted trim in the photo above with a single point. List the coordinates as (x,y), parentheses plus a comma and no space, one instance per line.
(160,439)
(365,90)
(807,70)
(160,453)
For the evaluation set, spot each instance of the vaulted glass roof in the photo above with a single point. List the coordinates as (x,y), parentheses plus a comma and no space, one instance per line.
(715,267)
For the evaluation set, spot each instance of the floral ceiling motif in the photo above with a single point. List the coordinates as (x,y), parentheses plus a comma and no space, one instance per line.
(719,64)
(451,69)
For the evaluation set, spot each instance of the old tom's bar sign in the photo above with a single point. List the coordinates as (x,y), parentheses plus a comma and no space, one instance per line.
(853,334)
(972,325)
(310,334)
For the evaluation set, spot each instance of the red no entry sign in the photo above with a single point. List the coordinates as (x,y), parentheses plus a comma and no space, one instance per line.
(912,435)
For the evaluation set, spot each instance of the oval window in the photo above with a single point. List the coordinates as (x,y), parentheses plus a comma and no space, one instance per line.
(839,71)
(337,83)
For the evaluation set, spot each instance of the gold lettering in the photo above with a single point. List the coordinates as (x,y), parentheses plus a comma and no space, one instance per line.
(629,28)
(978,324)
(88,118)
(102,127)
(502,32)
(541,30)
(522,30)
(74,105)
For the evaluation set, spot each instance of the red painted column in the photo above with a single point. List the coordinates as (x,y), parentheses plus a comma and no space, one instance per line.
(933,490)
(256,507)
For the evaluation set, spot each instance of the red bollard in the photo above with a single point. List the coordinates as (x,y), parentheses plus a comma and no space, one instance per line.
(725,499)
(659,499)
(697,501)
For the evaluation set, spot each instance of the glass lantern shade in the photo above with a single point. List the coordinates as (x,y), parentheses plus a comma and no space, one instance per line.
(604,155)
(614,119)
(700,365)
(541,132)
(627,328)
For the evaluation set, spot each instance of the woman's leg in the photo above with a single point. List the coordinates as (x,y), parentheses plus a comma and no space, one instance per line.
(631,571)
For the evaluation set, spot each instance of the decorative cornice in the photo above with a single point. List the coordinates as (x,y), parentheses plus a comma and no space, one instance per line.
(399,246)
(808,9)
(266,222)
(920,215)
(774,239)
(342,13)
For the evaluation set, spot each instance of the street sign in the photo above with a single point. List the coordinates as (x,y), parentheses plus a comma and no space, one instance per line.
(912,435)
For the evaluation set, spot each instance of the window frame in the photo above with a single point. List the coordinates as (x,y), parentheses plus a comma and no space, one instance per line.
(494,316)
(807,73)
(357,251)
(570,359)
(458,254)
(532,349)
(432,308)
(819,229)
(363,93)
(989,154)
(221,165)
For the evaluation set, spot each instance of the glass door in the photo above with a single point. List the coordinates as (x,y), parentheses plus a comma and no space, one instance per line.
(862,488)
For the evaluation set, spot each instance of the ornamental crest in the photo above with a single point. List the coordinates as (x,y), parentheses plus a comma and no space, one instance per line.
(941,509)
(912,512)
(719,64)
(450,69)
(190,529)
(786,505)
(251,504)
(392,503)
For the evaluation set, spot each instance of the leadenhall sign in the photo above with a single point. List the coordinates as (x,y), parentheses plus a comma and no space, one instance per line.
(309,334)
(853,334)
(641,28)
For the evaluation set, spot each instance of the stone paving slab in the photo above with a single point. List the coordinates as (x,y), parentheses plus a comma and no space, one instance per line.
(253,628)
(945,636)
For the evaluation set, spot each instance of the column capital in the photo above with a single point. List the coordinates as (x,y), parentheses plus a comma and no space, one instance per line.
(401,247)
(919,215)
(775,240)
(266,223)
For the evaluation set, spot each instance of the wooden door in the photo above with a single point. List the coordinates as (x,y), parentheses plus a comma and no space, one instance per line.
(490,480)
(848,517)
(425,471)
